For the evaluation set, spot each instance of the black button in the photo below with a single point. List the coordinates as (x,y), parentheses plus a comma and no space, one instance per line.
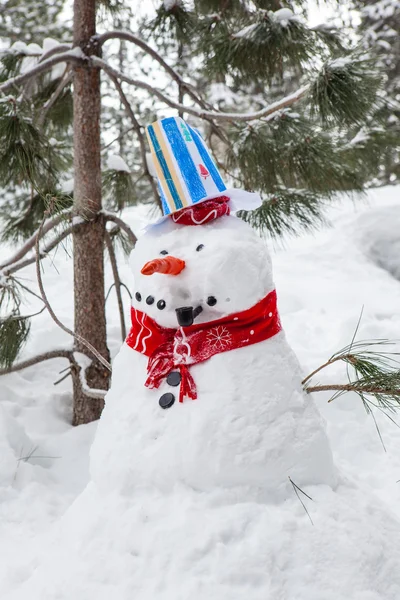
(149,299)
(174,378)
(166,400)
(138,296)
(211,301)
(161,304)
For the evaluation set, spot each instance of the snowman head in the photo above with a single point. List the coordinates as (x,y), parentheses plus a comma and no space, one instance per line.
(201,273)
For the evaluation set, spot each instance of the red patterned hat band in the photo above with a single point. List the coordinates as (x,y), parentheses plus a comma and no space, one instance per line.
(202,213)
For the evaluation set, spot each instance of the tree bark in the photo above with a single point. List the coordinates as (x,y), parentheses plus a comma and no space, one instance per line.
(90,320)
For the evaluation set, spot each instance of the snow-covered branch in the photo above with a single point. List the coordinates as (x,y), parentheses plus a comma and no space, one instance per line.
(204,114)
(76,360)
(55,50)
(70,57)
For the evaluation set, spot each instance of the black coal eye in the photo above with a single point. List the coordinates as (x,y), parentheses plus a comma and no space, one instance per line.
(161,304)
(138,296)
(211,301)
(200,247)
(164,252)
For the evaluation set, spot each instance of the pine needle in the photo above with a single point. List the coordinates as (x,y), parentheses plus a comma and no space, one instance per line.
(373,373)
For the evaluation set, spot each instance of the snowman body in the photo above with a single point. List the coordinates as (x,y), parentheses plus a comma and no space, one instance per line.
(251,427)
(194,501)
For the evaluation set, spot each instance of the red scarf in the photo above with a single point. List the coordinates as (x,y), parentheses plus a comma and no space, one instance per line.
(176,349)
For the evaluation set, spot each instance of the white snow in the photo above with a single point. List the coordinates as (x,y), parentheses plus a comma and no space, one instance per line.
(246,32)
(283,16)
(49,44)
(170,4)
(117,163)
(182,537)
(339,63)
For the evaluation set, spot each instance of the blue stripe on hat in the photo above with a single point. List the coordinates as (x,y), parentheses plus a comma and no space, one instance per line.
(165,208)
(208,161)
(164,167)
(184,160)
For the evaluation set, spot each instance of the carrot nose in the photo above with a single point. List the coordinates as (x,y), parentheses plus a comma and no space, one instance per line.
(168,265)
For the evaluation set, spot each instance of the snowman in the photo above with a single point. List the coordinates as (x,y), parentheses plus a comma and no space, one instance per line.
(207,436)
(206,379)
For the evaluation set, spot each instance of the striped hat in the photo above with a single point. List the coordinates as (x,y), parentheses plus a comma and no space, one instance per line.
(186,171)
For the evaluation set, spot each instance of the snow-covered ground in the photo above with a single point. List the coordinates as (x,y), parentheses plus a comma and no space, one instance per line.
(323,282)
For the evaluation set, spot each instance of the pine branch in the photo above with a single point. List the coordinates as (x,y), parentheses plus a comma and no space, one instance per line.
(286,211)
(373,374)
(218,116)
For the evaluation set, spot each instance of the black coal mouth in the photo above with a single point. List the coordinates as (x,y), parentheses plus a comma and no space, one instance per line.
(187,314)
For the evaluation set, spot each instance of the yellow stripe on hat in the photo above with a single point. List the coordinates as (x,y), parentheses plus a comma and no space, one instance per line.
(171,166)
(160,174)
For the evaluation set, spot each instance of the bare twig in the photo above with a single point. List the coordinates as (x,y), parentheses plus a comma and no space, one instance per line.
(326,364)
(65,80)
(129,37)
(117,138)
(37,359)
(117,281)
(63,377)
(43,253)
(112,217)
(30,243)
(84,342)
(267,111)
(138,130)
(42,67)
(350,387)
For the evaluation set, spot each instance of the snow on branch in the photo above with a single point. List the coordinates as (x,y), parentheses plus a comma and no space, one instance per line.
(73,56)
(204,114)
(77,360)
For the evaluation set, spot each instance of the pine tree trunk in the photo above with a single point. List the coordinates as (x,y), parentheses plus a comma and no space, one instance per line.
(90,320)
